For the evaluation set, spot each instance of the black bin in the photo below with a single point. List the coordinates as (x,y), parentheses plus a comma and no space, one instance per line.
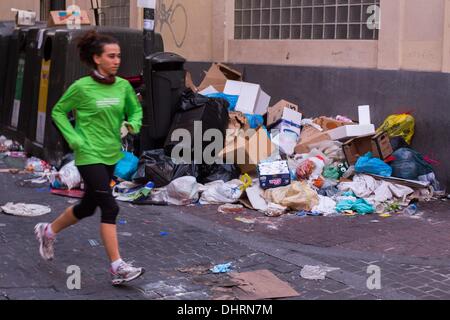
(164,81)
(6,30)
(18,54)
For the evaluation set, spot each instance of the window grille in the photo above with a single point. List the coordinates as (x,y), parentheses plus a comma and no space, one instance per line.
(304,19)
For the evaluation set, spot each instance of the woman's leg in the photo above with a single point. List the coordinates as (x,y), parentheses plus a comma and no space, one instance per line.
(109,237)
(65,220)
(98,178)
(108,227)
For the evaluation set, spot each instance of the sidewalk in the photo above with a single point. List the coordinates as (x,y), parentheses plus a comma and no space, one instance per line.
(412,253)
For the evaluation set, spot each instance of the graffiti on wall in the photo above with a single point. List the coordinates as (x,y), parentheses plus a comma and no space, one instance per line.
(173,15)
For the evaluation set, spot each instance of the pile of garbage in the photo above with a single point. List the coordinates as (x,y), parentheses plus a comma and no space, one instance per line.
(282,162)
(271,159)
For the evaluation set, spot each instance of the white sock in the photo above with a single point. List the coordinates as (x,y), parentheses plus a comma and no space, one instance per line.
(116,264)
(49,232)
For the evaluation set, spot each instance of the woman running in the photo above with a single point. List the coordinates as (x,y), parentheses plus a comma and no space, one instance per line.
(101,102)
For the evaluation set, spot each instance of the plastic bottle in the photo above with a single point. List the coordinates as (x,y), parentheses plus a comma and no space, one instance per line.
(410,210)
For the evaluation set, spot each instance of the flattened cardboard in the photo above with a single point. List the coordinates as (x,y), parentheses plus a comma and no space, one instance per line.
(262,284)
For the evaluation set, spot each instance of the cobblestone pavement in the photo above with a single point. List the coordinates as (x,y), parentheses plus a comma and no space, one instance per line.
(412,254)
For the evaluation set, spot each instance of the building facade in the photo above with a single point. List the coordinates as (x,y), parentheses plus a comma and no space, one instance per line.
(319,54)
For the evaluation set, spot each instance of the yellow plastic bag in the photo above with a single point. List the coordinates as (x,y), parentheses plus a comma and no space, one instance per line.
(297,196)
(399,125)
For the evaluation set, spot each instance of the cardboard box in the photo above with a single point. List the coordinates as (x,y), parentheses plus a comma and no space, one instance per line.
(217,76)
(275,113)
(190,83)
(238,121)
(247,150)
(274,174)
(378,144)
(308,136)
(24,18)
(64,18)
(287,133)
(351,131)
(329,123)
(252,99)
(290,121)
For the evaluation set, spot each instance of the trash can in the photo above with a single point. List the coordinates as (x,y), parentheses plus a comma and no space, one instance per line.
(164,76)
(34,139)
(6,30)
(14,83)
(61,61)
(31,80)
(12,108)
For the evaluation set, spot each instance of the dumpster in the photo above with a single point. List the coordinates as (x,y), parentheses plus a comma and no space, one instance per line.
(12,108)
(6,30)
(164,81)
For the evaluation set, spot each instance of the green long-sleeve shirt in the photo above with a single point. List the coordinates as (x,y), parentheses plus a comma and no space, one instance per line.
(100,112)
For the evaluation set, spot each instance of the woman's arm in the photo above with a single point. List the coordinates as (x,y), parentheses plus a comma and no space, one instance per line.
(67,103)
(133,110)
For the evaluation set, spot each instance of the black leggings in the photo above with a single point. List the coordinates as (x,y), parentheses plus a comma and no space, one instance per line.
(97,178)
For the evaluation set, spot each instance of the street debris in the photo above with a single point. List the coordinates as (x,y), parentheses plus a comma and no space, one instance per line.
(245,220)
(195,270)
(316,272)
(93,243)
(261,284)
(25,210)
(125,234)
(278,160)
(222,268)
(231,208)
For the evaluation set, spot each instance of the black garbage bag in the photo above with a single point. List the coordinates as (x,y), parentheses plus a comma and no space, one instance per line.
(191,100)
(409,164)
(209,173)
(155,166)
(212,113)
(398,143)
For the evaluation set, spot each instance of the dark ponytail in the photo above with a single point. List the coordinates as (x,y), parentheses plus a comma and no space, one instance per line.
(92,43)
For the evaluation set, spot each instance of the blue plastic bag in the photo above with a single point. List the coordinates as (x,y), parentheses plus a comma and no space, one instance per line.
(232,100)
(126,167)
(254,120)
(368,164)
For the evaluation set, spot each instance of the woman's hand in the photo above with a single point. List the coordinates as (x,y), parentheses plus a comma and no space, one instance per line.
(126,128)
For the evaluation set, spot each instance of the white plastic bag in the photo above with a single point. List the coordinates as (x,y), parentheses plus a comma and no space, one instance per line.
(219,192)
(183,191)
(70,176)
